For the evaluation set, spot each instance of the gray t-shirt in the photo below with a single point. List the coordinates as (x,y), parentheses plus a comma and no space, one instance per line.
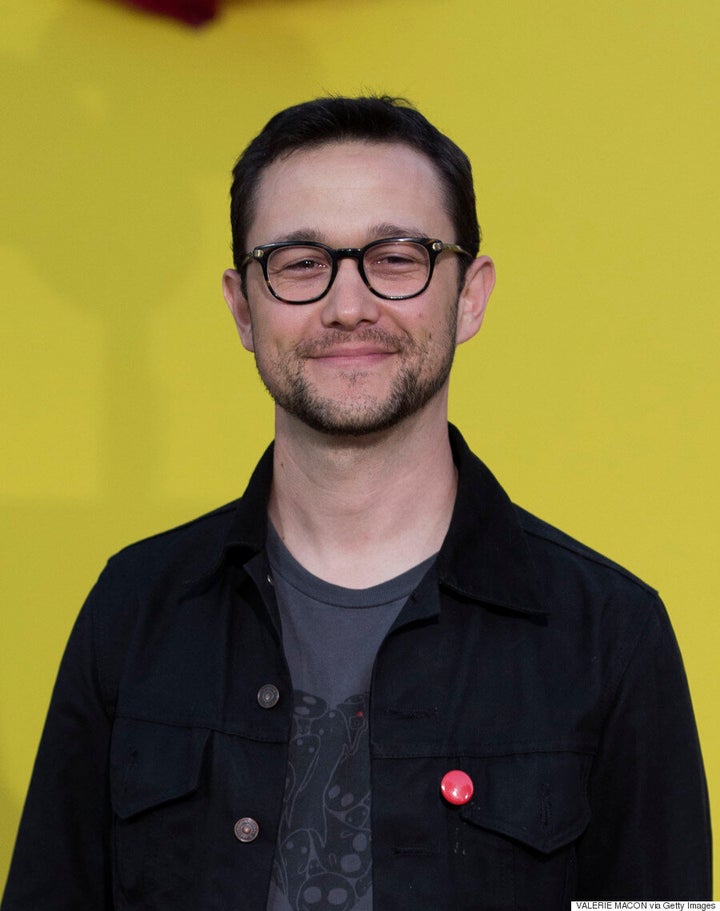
(331,636)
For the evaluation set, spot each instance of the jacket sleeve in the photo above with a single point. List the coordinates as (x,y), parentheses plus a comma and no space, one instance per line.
(61,858)
(649,835)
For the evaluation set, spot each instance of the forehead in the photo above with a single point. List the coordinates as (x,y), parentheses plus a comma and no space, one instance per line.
(344,192)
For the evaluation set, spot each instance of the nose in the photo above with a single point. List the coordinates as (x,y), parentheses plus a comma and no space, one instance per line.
(349,302)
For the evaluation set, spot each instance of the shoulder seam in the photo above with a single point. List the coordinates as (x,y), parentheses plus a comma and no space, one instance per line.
(560,539)
(227,507)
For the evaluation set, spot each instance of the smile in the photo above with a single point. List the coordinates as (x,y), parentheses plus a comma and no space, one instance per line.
(363,356)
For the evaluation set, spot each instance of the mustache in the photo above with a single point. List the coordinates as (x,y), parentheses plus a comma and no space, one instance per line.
(337,338)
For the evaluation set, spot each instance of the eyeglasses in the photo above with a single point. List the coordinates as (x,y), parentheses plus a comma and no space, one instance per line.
(395,268)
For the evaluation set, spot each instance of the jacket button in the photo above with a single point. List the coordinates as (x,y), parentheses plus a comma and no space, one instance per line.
(246,829)
(457,787)
(268,696)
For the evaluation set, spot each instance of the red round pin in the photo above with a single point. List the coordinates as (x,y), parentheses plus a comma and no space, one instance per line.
(457,787)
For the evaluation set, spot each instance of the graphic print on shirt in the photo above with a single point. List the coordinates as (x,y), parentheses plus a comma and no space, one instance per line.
(326,866)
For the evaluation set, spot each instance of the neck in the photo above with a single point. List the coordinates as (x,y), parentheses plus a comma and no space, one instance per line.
(357,511)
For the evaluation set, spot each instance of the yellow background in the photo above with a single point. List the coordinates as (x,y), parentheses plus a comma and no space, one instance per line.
(128,404)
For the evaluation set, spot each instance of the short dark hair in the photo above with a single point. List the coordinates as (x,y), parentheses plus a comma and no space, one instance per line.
(369,119)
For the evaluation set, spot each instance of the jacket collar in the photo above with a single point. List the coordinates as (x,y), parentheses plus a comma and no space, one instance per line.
(249,528)
(485,556)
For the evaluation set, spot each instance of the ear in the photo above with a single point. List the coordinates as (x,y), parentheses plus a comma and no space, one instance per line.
(474,297)
(237,302)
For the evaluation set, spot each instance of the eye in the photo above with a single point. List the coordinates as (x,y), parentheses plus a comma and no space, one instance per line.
(306,264)
(396,257)
(298,262)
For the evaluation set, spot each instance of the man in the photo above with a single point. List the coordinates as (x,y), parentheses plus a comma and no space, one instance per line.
(372,682)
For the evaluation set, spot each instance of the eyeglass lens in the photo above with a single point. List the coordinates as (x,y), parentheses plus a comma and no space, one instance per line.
(394,269)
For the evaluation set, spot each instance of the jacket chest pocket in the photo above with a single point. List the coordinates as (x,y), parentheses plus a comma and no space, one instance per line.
(512,845)
(155,774)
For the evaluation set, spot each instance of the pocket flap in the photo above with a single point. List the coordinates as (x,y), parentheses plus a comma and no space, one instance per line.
(151,764)
(539,799)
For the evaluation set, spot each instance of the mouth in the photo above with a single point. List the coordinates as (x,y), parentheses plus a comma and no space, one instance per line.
(351,359)
(353,352)
(366,349)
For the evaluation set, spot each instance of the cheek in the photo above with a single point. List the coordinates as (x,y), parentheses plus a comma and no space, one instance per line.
(441,327)
(274,333)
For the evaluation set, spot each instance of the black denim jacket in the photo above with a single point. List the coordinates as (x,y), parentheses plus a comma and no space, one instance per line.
(547,673)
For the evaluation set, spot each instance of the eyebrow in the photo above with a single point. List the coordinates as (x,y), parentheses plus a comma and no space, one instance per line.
(375,232)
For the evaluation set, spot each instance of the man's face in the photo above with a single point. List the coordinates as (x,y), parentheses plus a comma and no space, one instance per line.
(350,363)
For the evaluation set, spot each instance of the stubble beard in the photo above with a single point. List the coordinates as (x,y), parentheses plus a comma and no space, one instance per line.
(360,413)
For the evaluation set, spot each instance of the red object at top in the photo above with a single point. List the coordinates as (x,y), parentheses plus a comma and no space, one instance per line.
(193,12)
(457,787)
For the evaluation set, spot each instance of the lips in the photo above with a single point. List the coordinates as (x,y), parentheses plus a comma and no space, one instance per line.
(350,361)
(371,344)
(352,353)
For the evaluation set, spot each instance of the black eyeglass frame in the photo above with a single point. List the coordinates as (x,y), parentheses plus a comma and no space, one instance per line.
(261,254)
